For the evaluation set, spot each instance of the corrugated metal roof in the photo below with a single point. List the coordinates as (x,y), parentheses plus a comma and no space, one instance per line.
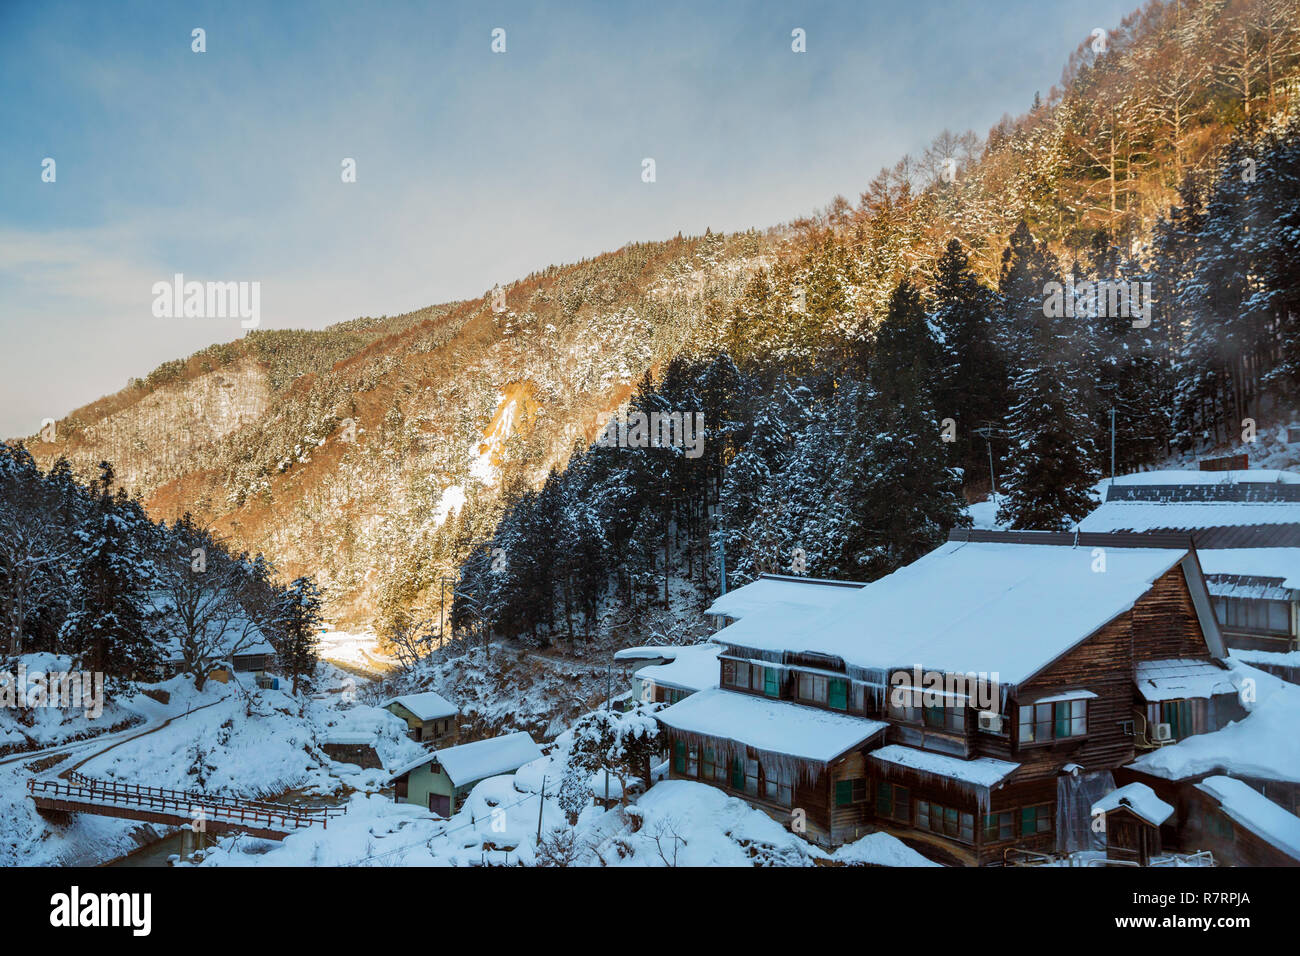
(1245,491)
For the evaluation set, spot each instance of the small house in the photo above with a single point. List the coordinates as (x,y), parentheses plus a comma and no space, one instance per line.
(1133,816)
(442,780)
(430,718)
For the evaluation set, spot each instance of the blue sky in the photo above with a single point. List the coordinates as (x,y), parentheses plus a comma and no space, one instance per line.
(472,167)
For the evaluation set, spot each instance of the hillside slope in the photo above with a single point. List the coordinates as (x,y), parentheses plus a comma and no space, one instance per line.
(345,452)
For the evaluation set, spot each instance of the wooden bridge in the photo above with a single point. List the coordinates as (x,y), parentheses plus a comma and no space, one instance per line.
(180,808)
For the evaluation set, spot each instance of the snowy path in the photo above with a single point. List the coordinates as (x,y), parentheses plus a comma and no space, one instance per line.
(97,744)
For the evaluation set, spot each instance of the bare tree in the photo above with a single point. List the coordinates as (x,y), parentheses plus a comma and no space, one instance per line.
(206,606)
(410,639)
(1178,80)
(1242,66)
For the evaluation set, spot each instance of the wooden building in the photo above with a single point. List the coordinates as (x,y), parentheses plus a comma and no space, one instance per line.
(1241,826)
(667,674)
(430,718)
(1246,529)
(974,703)
(442,780)
(1133,816)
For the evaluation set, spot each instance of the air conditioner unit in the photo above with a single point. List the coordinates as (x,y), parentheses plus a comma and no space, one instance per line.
(990,721)
(1163,733)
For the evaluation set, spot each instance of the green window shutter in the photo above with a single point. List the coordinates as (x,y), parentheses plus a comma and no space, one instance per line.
(770,685)
(737,773)
(885,799)
(679,756)
(843,793)
(1062,715)
(839,694)
(1028,821)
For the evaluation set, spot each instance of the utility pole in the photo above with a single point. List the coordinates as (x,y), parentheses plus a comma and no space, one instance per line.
(1111,389)
(987,432)
(722,560)
(609,705)
(541,802)
(1112,444)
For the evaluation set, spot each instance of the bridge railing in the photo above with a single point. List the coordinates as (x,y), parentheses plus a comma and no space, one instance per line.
(197,797)
(183,803)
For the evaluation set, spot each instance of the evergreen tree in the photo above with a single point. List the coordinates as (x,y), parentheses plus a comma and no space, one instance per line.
(971,378)
(300,629)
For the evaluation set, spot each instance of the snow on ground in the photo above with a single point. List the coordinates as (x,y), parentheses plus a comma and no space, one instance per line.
(356,649)
(983,514)
(676,823)
(259,743)
(38,727)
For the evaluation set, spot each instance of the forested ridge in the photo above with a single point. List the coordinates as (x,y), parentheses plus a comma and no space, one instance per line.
(825,354)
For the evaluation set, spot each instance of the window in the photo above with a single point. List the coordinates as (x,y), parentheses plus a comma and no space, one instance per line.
(838,694)
(849,792)
(894,802)
(946,821)
(858,698)
(777,787)
(692,762)
(813,688)
(1036,819)
(1218,825)
(904,712)
(1061,720)
(999,826)
(707,764)
(742,674)
(1255,615)
(751,777)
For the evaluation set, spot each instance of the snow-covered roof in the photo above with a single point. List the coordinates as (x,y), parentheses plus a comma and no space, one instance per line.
(648,652)
(1263,744)
(1188,515)
(1281,563)
(772,592)
(1177,476)
(981,771)
(693,668)
(1059,697)
(1175,679)
(425,706)
(486,758)
(1248,586)
(1256,812)
(1139,798)
(775,726)
(1008,609)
